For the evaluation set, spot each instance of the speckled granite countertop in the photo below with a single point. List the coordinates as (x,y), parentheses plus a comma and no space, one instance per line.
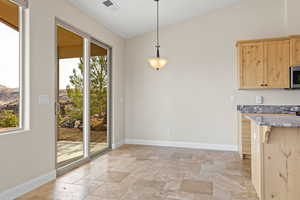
(270,109)
(276,121)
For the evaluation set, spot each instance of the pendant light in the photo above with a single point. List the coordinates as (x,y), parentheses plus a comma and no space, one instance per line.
(157,62)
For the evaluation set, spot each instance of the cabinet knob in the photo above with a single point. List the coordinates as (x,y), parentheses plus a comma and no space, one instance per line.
(262,85)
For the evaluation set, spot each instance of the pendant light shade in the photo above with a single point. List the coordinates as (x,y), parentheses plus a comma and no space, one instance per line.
(157,62)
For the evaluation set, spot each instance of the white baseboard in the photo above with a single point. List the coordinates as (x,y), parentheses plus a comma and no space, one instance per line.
(192,145)
(117,145)
(19,190)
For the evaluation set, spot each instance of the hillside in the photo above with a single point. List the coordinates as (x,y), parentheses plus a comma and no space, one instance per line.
(9,98)
(8,95)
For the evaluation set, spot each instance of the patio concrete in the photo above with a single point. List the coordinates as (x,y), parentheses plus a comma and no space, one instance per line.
(67,150)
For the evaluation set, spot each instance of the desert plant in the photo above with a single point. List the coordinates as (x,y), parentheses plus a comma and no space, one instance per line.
(8,119)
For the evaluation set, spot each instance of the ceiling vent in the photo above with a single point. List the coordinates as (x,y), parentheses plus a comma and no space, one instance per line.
(111,5)
(108,3)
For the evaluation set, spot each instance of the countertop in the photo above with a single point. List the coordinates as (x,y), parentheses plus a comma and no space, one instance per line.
(275,121)
(270,109)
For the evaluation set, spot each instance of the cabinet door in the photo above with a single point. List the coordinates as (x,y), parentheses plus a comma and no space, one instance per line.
(245,137)
(277,63)
(295,52)
(251,67)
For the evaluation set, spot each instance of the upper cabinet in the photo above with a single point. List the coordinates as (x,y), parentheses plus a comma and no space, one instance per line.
(276,64)
(295,50)
(265,63)
(251,71)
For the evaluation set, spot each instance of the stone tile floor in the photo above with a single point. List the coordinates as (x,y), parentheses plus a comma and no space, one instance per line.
(135,172)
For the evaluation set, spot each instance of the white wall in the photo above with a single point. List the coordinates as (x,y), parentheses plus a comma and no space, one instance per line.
(190,99)
(292,14)
(27,155)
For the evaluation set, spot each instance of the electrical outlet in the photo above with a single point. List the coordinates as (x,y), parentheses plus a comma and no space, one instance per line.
(259,99)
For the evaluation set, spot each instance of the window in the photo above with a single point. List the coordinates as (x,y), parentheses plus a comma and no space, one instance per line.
(11,64)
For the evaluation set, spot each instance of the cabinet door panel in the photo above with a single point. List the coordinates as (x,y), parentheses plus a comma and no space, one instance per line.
(277,62)
(251,65)
(295,52)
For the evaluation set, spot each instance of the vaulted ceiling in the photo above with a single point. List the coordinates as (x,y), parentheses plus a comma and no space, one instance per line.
(129,18)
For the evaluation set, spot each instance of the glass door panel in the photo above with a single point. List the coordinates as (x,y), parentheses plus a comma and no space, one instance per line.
(99,84)
(70,142)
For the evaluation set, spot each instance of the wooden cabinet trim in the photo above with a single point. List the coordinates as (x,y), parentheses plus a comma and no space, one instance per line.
(242,42)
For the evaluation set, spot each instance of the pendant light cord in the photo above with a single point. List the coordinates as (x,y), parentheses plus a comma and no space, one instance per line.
(157,30)
(157,24)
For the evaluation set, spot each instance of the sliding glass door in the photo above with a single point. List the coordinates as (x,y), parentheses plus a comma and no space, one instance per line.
(99,83)
(82,106)
(70,97)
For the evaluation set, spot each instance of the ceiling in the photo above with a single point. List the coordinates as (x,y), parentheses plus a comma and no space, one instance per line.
(133,17)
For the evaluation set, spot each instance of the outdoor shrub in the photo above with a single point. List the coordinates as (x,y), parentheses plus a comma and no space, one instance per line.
(8,119)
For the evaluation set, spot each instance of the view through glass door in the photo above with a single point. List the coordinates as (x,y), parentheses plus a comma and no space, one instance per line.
(70,97)
(99,87)
(83,92)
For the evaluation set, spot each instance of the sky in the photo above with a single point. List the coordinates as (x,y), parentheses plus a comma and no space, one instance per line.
(9,60)
(9,56)
(66,67)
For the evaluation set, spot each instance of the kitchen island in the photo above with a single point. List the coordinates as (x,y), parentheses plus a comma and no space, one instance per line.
(244,124)
(275,156)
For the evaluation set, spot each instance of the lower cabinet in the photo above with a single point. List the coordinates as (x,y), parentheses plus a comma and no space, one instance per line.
(245,133)
(275,162)
(244,137)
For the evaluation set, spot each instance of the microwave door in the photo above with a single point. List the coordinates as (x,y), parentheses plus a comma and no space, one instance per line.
(295,77)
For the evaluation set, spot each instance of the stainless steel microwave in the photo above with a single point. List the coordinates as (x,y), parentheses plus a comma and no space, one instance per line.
(295,77)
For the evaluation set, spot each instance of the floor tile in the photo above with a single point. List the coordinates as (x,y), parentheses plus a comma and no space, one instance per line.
(135,172)
(193,186)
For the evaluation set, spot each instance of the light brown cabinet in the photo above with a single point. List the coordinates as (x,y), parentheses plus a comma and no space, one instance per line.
(251,66)
(275,162)
(244,137)
(244,144)
(276,64)
(295,50)
(264,63)
(257,158)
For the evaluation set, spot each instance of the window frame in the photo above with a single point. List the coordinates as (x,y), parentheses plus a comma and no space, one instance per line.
(23,4)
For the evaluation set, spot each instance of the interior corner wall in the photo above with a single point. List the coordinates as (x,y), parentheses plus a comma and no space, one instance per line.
(30,154)
(292,14)
(194,98)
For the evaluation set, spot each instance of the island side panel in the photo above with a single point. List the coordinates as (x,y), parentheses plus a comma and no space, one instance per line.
(256,158)
(282,165)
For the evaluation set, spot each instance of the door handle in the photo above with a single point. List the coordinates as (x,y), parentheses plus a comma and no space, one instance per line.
(263,85)
(57,108)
